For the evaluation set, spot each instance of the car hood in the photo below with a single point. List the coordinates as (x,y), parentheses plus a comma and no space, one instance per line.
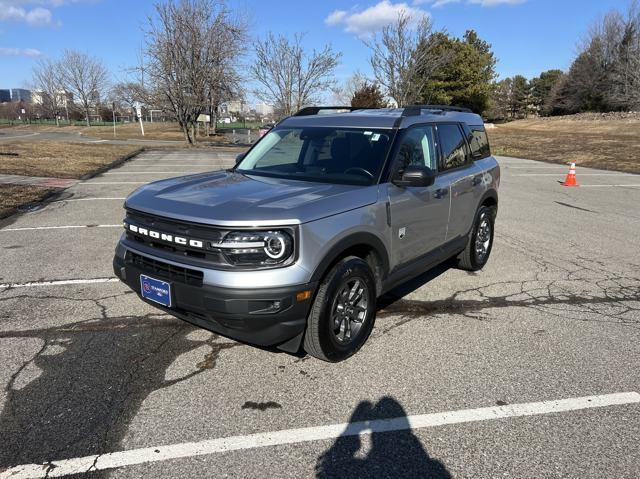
(226,198)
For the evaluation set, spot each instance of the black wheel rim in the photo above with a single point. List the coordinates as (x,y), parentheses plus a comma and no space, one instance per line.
(483,239)
(349,310)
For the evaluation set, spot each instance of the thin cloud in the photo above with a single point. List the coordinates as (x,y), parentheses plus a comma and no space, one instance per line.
(482,3)
(35,13)
(27,52)
(34,17)
(495,3)
(370,20)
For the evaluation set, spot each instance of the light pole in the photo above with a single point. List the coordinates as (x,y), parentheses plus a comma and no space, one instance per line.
(113,110)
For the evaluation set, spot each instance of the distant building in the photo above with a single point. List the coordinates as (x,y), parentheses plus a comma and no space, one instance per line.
(5,96)
(63,98)
(264,109)
(234,106)
(39,97)
(20,94)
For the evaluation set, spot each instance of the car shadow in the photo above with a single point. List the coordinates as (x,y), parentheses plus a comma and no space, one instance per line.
(397,453)
(404,289)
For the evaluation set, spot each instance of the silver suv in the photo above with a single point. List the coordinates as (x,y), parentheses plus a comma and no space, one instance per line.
(332,208)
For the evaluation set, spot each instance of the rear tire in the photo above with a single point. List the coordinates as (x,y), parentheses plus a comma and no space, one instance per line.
(480,241)
(343,311)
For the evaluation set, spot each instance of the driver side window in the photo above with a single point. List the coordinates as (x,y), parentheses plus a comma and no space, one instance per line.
(418,148)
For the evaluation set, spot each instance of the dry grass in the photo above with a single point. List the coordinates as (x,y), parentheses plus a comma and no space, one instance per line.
(59,159)
(13,196)
(611,144)
(153,131)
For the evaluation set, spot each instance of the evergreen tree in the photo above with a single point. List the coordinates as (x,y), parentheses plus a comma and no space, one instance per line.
(466,77)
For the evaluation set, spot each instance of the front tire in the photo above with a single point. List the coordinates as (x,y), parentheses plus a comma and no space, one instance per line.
(343,311)
(480,241)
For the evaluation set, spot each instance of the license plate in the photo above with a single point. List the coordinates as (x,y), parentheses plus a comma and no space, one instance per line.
(155,290)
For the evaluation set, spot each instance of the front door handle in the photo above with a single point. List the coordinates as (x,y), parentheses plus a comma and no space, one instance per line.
(441,193)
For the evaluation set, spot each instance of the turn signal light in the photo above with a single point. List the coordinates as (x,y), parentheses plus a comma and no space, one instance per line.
(304,295)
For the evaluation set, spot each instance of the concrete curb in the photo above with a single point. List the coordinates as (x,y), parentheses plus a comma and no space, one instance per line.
(50,196)
(113,164)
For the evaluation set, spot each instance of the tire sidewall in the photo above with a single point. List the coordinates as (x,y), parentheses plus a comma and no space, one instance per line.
(344,271)
(483,211)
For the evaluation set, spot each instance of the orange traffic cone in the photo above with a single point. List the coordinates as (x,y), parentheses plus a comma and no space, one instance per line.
(570,180)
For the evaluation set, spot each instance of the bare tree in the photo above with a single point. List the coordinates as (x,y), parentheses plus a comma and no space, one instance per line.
(189,43)
(48,86)
(404,57)
(342,94)
(128,94)
(85,77)
(288,76)
(627,70)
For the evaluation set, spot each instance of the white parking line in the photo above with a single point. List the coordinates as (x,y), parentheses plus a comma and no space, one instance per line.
(89,199)
(608,186)
(111,183)
(183,161)
(294,436)
(144,172)
(31,228)
(581,174)
(533,167)
(61,282)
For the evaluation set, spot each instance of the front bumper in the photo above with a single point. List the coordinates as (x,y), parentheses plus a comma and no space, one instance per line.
(247,315)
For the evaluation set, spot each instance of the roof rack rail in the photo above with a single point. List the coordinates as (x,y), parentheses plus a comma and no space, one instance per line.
(314,110)
(415,110)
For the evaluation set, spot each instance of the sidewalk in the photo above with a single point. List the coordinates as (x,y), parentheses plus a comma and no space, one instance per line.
(37,181)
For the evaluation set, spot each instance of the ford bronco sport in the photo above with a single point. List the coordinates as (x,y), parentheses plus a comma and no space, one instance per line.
(325,213)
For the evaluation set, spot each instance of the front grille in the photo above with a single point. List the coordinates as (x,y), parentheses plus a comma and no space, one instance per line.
(205,234)
(165,270)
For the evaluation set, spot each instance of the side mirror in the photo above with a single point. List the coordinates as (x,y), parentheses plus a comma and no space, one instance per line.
(240,157)
(415,175)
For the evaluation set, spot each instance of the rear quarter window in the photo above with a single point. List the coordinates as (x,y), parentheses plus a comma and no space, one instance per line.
(479,142)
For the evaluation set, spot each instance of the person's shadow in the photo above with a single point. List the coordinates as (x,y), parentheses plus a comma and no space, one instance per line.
(397,453)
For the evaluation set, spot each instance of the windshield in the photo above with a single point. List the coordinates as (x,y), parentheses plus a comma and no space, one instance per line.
(330,155)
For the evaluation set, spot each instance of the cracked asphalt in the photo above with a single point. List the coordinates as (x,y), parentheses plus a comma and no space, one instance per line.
(90,369)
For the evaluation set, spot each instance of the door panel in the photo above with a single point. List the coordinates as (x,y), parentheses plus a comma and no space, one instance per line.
(463,176)
(419,216)
(464,199)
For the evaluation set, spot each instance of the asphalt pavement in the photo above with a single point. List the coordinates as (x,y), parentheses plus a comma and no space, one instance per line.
(528,368)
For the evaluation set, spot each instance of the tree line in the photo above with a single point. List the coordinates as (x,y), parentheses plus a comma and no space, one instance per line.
(604,76)
(195,51)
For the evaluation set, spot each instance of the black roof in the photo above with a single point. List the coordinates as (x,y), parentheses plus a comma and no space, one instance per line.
(379,118)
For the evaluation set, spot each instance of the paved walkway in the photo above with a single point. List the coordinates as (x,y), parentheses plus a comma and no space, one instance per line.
(37,181)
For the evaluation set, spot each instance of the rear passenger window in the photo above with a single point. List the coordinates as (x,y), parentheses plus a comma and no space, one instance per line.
(454,151)
(479,142)
(418,148)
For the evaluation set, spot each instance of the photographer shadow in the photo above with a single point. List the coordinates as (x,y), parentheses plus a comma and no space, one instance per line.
(396,453)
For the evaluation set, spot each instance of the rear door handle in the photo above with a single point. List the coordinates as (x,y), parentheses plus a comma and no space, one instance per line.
(476,180)
(441,193)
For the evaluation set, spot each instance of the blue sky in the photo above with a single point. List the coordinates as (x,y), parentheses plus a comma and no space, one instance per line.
(528,36)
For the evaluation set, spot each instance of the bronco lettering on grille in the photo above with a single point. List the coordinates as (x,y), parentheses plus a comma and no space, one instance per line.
(169,238)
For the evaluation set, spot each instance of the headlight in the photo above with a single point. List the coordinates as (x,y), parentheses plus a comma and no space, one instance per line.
(257,248)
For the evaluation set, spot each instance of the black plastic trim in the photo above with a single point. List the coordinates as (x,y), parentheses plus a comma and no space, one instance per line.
(235,313)
(416,267)
(367,239)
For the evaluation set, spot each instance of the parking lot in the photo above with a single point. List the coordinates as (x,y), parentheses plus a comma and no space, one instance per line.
(528,368)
